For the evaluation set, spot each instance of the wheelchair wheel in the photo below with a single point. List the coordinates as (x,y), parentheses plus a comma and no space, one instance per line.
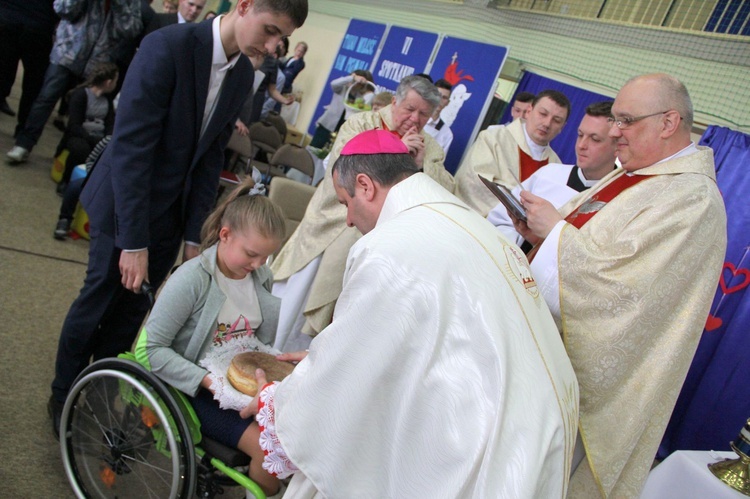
(122,435)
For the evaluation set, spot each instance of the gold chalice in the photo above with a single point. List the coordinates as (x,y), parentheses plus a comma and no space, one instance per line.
(736,472)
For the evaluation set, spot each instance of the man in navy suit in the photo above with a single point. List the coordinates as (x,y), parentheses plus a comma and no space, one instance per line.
(157,180)
(293,66)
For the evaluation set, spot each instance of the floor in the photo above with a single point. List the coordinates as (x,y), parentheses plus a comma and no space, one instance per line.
(39,278)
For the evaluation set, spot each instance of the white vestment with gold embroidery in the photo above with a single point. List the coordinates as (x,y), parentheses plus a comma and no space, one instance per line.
(631,291)
(442,373)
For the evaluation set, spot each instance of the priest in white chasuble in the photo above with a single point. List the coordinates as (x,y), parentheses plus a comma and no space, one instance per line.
(442,373)
(629,269)
(512,153)
(309,269)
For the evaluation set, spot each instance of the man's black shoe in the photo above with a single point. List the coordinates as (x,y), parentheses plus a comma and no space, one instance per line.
(54,409)
(5,108)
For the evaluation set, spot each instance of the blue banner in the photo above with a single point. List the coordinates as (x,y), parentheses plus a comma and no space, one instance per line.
(406,51)
(715,399)
(472,68)
(357,51)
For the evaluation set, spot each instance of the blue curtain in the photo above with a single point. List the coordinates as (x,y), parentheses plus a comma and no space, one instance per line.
(565,143)
(715,399)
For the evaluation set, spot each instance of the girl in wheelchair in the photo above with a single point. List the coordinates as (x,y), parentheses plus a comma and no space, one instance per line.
(219,297)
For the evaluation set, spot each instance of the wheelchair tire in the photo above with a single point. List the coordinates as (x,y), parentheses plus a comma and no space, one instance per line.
(122,435)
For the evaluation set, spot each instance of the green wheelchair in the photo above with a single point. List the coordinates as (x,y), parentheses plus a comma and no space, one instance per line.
(125,433)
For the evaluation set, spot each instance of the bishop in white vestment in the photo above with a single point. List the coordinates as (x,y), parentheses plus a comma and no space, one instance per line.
(442,373)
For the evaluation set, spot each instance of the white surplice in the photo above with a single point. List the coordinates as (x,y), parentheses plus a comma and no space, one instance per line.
(549,182)
(442,373)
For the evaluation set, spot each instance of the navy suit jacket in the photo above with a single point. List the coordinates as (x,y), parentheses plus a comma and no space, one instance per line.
(158,178)
(160,21)
(291,72)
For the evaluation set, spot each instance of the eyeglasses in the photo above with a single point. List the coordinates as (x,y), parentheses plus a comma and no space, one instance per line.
(623,123)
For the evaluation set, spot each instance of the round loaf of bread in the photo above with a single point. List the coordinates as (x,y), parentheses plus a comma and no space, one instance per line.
(241,373)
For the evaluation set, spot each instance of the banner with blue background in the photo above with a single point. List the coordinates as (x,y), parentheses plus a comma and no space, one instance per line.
(357,51)
(472,68)
(405,52)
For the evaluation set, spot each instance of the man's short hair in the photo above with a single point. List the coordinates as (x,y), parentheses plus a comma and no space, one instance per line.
(557,97)
(295,9)
(443,83)
(600,109)
(524,97)
(385,169)
(425,76)
(422,87)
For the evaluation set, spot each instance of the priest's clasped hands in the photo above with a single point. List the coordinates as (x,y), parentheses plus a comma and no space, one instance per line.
(415,142)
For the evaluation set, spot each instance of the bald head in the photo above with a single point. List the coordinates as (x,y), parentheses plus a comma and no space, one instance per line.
(655,116)
(667,92)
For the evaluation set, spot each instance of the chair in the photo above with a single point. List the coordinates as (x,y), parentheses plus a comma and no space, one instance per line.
(276,120)
(241,148)
(294,156)
(267,139)
(293,198)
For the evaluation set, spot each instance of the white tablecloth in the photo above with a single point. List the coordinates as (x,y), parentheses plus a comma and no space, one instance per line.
(685,475)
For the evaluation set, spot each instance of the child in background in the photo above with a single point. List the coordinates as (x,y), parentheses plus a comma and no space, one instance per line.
(222,296)
(73,192)
(381,100)
(336,111)
(91,116)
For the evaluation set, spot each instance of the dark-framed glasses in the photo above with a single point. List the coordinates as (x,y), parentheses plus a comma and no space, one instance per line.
(625,122)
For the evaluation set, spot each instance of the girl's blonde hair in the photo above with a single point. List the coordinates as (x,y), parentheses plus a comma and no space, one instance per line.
(241,210)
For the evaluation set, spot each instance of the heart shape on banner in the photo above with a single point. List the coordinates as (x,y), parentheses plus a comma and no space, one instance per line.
(735,272)
(713,323)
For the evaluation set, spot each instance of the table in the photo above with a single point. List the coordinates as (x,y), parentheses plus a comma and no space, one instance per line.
(685,474)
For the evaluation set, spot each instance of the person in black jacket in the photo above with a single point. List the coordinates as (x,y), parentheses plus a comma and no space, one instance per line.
(91,117)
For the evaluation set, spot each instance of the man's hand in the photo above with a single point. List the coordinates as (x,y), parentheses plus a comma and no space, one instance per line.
(252,408)
(241,128)
(190,251)
(415,143)
(134,269)
(541,216)
(524,230)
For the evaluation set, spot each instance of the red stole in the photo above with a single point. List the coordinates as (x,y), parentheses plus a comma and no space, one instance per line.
(591,207)
(528,165)
(387,129)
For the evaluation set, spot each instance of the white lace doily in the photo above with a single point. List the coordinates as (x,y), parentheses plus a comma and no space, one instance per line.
(217,363)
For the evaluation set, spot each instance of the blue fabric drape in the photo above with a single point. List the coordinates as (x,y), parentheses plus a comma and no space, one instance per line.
(715,399)
(565,143)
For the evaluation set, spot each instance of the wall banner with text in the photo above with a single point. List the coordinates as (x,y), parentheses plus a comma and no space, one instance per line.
(473,69)
(406,51)
(357,51)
